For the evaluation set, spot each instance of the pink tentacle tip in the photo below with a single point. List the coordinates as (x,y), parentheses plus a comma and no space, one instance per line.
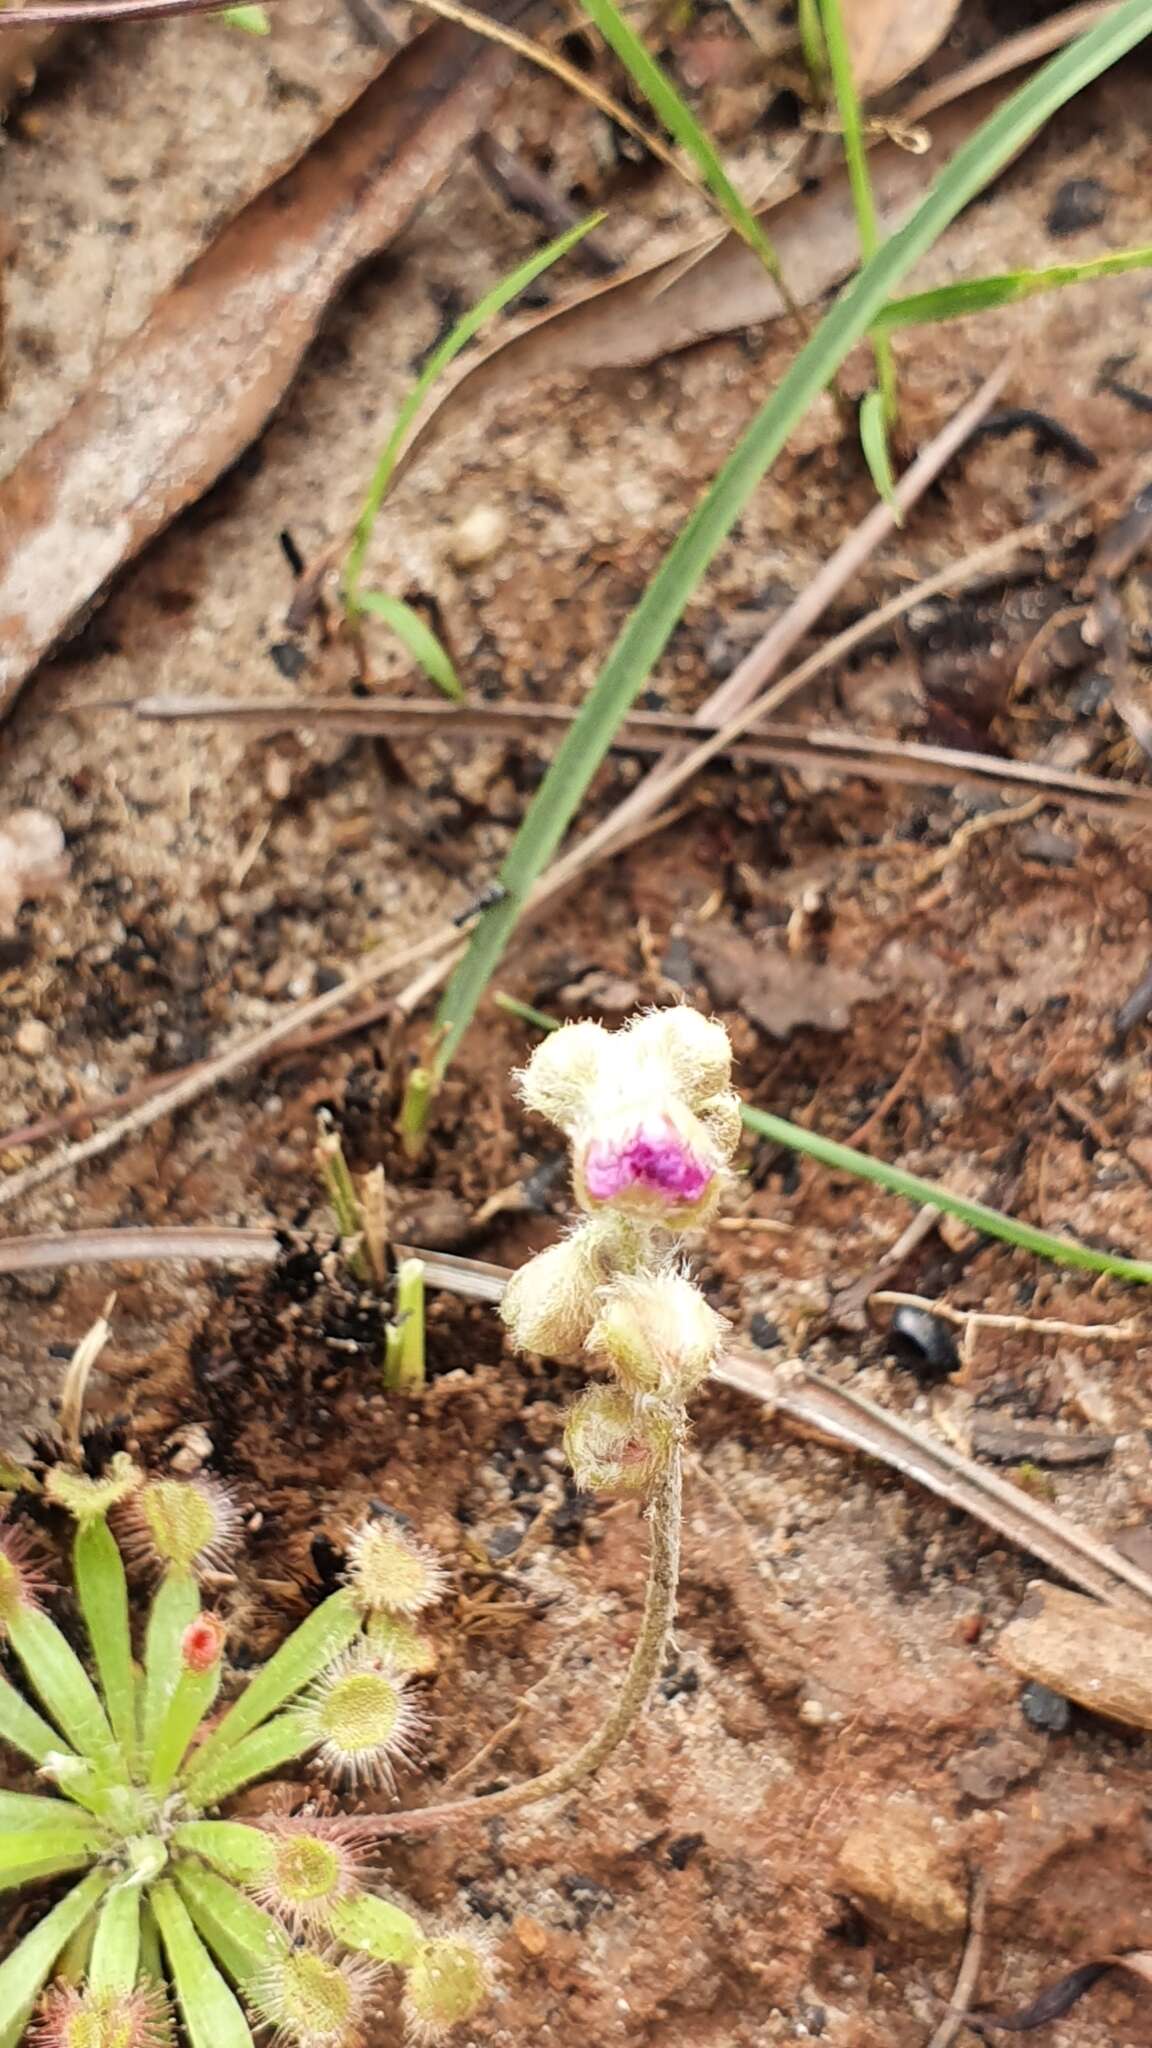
(652,1156)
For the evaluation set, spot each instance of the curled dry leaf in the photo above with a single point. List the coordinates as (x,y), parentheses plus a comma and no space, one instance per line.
(32,861)
(191,388)
(774,990)
(889,38)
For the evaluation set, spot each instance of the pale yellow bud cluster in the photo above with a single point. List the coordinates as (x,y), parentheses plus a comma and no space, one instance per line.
(653,1124)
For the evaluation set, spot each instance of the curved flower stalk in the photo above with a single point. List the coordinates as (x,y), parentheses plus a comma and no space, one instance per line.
(653,1125)
(235,1924)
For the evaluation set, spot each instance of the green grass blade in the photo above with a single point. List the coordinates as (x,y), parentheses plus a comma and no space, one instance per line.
(681,124)
(26,1971)
(208,2006)
(470,324)
(59,1679)
(102,1593)
(844,1159)
(875,418)
(418,637)
(175,1605)
(242,1936)
(648,630)
(115,1959)
(979,294)
(874,442)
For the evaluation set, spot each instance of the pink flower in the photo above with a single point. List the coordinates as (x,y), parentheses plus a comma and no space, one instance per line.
(650,1158)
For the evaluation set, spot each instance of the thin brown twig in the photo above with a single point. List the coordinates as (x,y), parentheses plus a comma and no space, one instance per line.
(74,13)
(971,1963)
(129,1246)
(1033,1326)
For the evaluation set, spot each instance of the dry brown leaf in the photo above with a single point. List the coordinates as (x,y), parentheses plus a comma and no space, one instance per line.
(774,990)
(190,390)
(889,38)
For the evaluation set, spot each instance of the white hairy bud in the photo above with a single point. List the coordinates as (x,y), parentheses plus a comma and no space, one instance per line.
(657,1333)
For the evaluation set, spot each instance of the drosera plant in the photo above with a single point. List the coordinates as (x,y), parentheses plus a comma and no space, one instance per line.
(169,1909)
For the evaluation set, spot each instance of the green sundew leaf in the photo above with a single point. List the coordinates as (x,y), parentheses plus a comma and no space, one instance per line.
(26,1971)
(418,638)
(845,1159)
(102,1593)
(874,442)
(208,2006)
(115,1960)
(23,1728)
(327,1630)
(376,1928)
(192,1698)
(151,1965)
(276,1742)
(978,294)
(55,1672)
(174,1608)
(469,324)
(242,1853)
(19,1810)
(650,627)
(252,20)
(682,125)
(33,1853)
(242,1936)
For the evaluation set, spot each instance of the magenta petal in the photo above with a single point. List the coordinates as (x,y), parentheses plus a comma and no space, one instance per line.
(652,1156)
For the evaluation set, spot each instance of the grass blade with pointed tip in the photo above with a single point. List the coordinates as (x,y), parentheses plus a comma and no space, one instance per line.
(472,321)
(208,2006)
(650,627)
(878,410)
(682,125)
(418,638)
(874,442)
(993,1222)
(978,294)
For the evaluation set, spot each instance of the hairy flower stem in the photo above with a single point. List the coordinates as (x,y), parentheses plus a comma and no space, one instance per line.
(643,1669)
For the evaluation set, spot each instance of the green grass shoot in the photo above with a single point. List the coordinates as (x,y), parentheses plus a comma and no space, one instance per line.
(980,294)
(651,625)
(463,332)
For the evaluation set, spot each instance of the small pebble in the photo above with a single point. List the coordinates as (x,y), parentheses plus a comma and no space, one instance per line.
(1043,1708)
(478,536)
(923,1344)
(32,1038)
(1080,203)
(764,1332)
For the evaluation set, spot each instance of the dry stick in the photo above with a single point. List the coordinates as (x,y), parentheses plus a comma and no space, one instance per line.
(232,1061)
(51,15)
(968,1975)
(643,1669)
(117,1246)
(806,1397)
(1034,1326)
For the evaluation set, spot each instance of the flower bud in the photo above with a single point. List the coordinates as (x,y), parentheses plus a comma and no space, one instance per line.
(657,1333)
(549,1305)
(721,1118)
(659,1163)
(390,1571)
(563,1072)
(202,1645)
(614,1445)
(695,1051)
(448,1981)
